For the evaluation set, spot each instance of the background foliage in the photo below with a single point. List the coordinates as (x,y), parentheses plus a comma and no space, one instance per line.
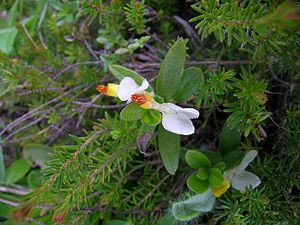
(67,157)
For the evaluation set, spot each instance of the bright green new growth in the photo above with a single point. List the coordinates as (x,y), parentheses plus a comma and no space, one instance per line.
(248,111)
(249,24)
(134,15)
(196,159)
(206,174)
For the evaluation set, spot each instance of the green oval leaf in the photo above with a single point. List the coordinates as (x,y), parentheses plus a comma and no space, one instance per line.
(189,84)
(196,159)
(40,154)
(197,185)
(120,72)
(171,70)
(7,39)
(169,149)
(151,117)
(34,178)
(17,171)
(131,112)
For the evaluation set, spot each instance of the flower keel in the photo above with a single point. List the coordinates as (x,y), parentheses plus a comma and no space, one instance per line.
(110,89)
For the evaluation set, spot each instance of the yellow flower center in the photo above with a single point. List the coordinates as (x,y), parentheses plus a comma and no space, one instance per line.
(221,190)
(144,100)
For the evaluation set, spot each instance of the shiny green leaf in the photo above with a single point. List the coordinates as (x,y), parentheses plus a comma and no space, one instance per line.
(169,148)
(120,72)
(34,178)
(40,154)
(197,159)
(171,70)
(16,171)
(189,84)
(197,185)
(7,39)
(131,112)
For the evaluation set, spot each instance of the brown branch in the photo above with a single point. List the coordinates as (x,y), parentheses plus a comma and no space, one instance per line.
(16,191)
(71,66)
(193,63)
(17,140)
(11,203)
(89,105)
(29,36)
(115,211)
(40,24)
(188,29)
(38,90)
(44,113)
(89,48)
(74,157)
(33,122)
(35,111)
(152,191)
(83,111)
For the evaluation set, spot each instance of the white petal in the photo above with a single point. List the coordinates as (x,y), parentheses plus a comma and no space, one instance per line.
(189,112)
(248,158)
(245,179)
(127,87)
(173,106)
(144,86)
(177,123)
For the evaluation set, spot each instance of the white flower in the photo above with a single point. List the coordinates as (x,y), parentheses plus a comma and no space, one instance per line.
(128,87)
(239,178)
(176,119)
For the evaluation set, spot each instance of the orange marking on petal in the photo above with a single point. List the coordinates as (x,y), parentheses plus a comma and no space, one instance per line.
(102,89)
(139,98)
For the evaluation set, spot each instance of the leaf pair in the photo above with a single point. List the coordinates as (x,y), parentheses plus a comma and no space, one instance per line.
(205,175)
(175,82)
